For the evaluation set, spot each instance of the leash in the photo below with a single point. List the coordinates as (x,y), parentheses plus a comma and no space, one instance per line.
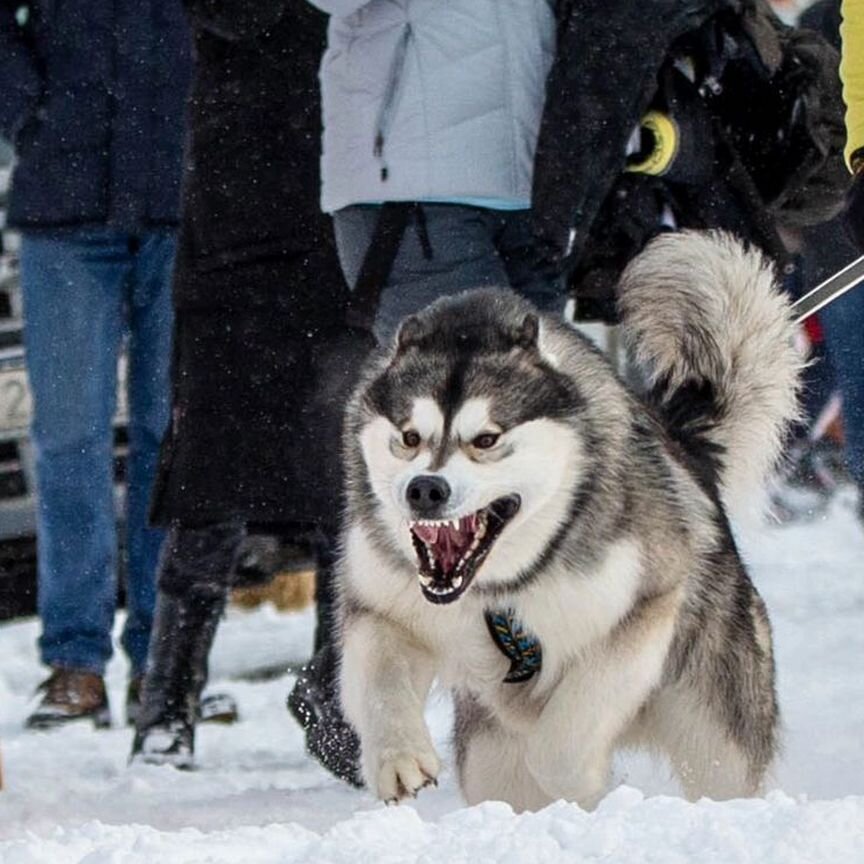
(377,263)
(392,222)
(826,292)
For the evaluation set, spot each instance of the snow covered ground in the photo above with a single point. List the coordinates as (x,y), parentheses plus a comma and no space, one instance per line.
(256,797)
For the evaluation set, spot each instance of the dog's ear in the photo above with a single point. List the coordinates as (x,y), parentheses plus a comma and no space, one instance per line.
(527,334)
(411,331)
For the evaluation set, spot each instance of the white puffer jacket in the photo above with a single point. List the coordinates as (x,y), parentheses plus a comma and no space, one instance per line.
(429,100)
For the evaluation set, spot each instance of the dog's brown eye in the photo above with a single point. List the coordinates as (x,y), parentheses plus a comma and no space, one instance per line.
(410,438)
(485,441)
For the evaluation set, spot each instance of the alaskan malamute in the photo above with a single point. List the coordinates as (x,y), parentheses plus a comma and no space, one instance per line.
(524,528)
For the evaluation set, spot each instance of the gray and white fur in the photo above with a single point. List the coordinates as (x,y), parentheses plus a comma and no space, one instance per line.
(618,558)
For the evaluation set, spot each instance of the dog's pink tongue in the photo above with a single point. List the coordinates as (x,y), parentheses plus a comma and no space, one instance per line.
(447,549)
(446,543)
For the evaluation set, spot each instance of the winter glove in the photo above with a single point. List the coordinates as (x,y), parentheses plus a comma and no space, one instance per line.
(854,215)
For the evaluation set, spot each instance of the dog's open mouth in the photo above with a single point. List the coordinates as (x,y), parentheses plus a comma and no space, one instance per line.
(450,551)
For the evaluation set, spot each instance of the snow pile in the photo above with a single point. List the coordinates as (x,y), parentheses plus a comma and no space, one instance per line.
(626,828)
(71,797)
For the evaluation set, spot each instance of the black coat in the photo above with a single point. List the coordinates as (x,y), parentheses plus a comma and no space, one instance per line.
(603,79)
(253,231)
(92,96)
(263,360)
(759,132)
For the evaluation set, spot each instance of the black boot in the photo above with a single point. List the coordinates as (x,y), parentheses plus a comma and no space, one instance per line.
(314,704)
(183,633)
(195,572)
(314,699)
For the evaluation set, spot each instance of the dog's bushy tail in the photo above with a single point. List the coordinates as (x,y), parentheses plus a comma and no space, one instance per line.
(704,317)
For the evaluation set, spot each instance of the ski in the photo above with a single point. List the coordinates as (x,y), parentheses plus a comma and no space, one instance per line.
(829,290)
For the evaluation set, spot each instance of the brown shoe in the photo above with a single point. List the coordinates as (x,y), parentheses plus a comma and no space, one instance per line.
(71,694)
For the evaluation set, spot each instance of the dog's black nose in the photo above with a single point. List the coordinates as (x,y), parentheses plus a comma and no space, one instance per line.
(427,494)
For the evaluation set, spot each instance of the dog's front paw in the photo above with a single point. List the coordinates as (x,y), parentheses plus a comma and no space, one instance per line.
(401,772)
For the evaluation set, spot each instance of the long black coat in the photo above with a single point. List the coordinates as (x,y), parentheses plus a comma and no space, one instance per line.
(263,360)
(92,96)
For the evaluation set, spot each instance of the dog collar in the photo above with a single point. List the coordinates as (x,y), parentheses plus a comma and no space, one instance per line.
(520,647)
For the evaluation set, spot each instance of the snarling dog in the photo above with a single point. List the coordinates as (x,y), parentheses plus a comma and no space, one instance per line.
(526,529)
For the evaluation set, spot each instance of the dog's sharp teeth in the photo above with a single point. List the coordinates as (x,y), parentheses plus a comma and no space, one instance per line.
(425,580)
(457,582)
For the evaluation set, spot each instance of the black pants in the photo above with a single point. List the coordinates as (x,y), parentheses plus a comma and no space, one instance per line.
(199,564)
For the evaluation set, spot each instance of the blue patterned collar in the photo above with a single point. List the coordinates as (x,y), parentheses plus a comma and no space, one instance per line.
(520,647)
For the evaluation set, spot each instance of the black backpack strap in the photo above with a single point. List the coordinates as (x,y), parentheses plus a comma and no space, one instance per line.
(378,262)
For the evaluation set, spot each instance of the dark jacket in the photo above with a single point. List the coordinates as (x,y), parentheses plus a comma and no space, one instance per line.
(92,96)
(759,133)
(263,359)
(603,79)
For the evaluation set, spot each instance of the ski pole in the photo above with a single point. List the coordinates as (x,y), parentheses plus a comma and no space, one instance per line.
(829,290)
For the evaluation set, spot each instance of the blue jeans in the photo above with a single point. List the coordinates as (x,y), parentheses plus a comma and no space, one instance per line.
(466,247)
(84,293)
(843,323)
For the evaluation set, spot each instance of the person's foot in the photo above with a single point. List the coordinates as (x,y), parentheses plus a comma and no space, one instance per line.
(314,704)
(812,475)
(171,742)
(70,695)
(183,630)
(214,707)
(170,738)
(218,708)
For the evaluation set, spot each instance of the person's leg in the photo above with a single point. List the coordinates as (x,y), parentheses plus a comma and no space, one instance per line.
(73,300)
(194,576)
(446,248)
(149,390)
(843,324)
(526,273)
